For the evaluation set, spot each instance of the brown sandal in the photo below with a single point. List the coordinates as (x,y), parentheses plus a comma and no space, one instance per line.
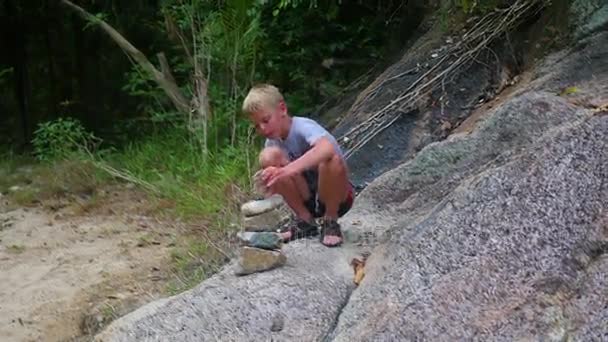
(299,229)
(331,228)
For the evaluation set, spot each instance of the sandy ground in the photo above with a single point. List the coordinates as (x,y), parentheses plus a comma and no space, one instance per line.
(64,271)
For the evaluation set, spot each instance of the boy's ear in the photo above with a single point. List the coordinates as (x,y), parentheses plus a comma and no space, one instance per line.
(282,107)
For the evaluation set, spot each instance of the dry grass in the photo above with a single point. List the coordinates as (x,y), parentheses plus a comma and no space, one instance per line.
(29,184)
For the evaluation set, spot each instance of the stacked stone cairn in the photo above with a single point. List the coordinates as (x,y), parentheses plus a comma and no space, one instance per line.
(260,243)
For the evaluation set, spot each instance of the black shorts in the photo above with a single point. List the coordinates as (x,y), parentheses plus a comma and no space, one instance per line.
(315,206)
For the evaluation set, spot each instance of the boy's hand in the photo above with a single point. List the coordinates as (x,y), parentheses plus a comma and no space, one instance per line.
(267,173)
(272,174)
(259,183)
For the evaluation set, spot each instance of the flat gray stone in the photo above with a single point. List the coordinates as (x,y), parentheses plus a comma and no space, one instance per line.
(264,240)
(256,207)
(264,222)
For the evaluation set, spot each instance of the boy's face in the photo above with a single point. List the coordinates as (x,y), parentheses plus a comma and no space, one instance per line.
(268,121)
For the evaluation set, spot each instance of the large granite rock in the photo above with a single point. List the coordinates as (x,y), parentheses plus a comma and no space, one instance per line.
(507,255)
(297,302)
(500,234)
(395,197)
(587,16)
(408,192)
(579,75)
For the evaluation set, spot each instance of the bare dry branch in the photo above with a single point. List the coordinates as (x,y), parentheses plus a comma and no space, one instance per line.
(164,67)
(486,30)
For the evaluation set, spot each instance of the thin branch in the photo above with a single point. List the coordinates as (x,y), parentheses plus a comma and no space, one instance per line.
(172,28)
(125,175)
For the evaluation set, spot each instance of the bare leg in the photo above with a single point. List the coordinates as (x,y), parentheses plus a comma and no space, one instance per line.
(333,186)
(294,190)
(294,199)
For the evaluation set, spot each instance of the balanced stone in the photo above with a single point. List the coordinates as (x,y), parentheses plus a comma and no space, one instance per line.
(253,260)
(264,240)
(253,208)
(265,222)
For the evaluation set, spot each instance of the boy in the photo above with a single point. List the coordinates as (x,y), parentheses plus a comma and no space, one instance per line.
(303,163)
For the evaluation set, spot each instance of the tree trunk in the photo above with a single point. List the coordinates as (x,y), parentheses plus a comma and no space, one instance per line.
(17,44)
(53,98)
(201,103)
(77,68)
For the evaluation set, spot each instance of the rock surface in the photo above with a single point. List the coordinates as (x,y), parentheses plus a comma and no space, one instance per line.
(588,16)
(396,198)
(303,299)
(428,118)
(503,256)
(252,260)
(500,234)
(410,191)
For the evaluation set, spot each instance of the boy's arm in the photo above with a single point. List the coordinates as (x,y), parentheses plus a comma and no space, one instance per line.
(322,150)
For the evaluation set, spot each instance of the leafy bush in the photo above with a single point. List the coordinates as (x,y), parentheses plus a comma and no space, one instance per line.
(60,138)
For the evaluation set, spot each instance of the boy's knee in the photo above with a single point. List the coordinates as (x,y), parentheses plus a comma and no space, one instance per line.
(272,156)
(334,163)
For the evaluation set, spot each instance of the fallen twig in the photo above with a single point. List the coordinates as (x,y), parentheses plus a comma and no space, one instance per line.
(475,40)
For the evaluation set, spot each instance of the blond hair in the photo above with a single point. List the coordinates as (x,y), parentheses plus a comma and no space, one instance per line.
(260,96)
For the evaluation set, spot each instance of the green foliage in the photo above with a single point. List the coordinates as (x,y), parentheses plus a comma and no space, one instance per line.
(60,138)
(205,189)
(300,35)
(5,72)
(285,4)
(285,42)
(229,40)
(444,15)
(16,249)
(139,84)
(231,34)
(172,163)
(467,5)
(98,17)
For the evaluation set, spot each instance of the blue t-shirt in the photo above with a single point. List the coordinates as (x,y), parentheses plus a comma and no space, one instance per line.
(302,134)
